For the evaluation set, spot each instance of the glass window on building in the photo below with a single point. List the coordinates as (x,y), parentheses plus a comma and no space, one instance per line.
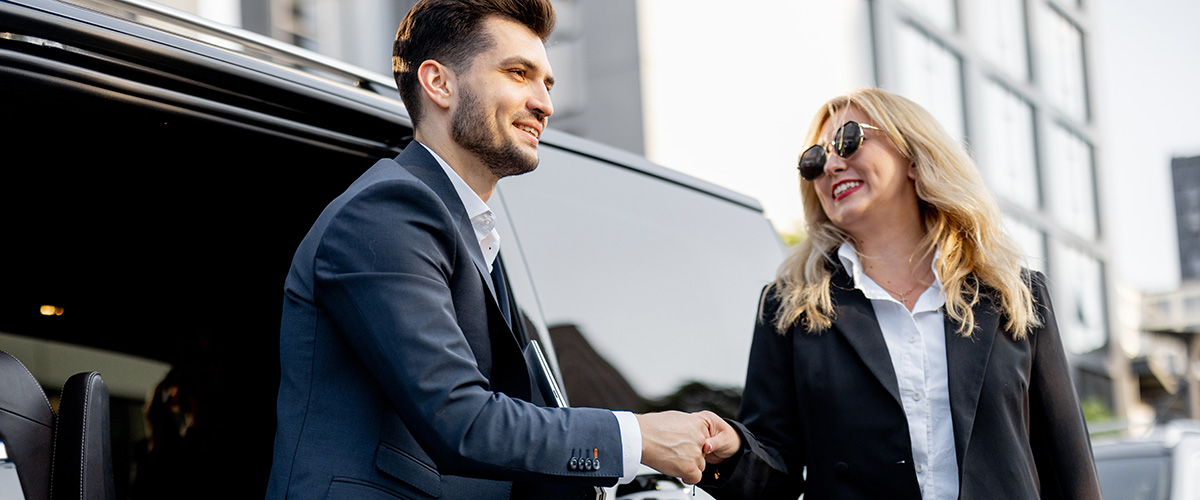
(999,26)
(1162,308)
(565,50)
(1072,195)
(1060,46)
(930,75)
(1006,151)
(1031,240)
(939,12)
(1077,291)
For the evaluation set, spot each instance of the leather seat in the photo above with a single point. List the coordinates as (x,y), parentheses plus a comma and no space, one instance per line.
(26,427)
(83,468)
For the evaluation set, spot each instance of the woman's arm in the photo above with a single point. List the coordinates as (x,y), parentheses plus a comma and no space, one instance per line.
(1058,432)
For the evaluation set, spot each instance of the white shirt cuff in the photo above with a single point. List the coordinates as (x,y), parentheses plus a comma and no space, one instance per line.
(631,445)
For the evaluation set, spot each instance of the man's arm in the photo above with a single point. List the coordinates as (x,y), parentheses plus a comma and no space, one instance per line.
(384,271)
(383,274)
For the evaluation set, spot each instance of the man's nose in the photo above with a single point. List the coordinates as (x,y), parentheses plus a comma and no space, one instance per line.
(540,103)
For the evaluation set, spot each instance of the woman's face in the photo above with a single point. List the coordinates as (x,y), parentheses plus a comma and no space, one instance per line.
(874,186)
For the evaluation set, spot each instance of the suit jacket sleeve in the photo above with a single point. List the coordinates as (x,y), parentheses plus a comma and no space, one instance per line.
(771,461)
(383,273)
(1058,433)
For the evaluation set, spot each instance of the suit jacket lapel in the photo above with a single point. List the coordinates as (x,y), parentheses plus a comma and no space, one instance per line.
(966,357)
(425,167)
(855,320)
(967,361)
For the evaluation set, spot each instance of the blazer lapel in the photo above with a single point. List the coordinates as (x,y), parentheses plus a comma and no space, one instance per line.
(967,361)
(966,357)
(425,167)
(855,320)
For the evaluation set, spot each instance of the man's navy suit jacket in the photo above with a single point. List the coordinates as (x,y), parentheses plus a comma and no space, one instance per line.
(400,377)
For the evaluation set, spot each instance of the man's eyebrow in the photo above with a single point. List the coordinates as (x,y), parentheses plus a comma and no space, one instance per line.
(526,62)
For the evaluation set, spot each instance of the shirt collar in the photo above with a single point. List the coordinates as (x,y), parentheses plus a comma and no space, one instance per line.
(848,256)
(482,219)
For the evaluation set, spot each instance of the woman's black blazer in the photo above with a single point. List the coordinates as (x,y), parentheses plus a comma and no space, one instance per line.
(828,401)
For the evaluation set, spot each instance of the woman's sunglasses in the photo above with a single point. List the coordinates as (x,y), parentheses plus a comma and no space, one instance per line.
(845,143)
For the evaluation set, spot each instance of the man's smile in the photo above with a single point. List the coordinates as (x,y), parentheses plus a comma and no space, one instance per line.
(534,130)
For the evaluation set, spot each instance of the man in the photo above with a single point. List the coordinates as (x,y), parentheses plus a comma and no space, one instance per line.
(401,374)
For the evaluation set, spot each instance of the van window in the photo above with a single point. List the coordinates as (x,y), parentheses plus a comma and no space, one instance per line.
(659,279)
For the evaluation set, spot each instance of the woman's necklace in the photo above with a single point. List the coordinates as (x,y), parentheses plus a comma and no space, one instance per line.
(903,297)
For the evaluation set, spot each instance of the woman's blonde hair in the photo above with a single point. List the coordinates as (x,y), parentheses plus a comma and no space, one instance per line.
(961,219)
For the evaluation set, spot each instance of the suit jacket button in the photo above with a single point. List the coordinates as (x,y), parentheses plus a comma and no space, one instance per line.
(573,464)
(596,464)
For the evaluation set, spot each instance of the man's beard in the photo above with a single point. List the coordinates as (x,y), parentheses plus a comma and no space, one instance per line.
(469,128)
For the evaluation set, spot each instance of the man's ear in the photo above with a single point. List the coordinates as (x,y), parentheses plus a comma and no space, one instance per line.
(437,81)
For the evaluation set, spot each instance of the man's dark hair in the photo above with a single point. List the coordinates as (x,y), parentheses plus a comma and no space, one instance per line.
(450,32)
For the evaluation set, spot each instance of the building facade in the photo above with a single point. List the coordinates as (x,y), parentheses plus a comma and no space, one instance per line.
(1185,177)
(1011,78)
(1167,364)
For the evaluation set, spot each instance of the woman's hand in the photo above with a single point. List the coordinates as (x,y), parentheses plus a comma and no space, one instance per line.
(723,441)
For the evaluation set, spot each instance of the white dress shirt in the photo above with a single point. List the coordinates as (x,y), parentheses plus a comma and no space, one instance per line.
(483,221)
(482,218)
(916,342)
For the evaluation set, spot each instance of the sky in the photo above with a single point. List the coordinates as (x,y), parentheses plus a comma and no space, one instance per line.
(724,108)
(1146,99)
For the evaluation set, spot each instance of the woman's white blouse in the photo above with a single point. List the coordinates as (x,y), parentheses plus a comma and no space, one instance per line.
(916,342)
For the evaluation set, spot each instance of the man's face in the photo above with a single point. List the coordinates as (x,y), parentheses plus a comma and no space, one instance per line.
(504,100)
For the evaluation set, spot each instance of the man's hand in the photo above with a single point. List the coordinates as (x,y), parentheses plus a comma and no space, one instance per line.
(723,441)
(673,442)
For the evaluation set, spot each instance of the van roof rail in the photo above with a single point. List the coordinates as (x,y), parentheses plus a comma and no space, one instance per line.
(230,37)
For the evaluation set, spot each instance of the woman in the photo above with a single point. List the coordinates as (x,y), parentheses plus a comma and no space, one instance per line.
(902,352)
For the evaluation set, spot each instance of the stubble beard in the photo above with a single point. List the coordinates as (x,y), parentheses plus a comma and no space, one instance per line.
(469,128)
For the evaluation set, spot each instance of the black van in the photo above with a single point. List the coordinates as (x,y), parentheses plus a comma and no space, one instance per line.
(159,170)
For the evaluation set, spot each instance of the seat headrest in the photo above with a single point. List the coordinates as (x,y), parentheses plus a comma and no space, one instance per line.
(22,394)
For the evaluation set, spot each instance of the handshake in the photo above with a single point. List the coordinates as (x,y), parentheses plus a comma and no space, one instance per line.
(680,444)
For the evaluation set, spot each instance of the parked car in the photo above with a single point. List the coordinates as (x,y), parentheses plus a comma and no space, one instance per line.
(1164,465)
(159,171)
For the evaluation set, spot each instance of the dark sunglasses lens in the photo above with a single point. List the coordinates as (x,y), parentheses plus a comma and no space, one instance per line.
(848,139)
(812,163)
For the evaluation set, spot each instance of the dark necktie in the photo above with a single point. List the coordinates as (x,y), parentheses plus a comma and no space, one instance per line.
(501,290)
